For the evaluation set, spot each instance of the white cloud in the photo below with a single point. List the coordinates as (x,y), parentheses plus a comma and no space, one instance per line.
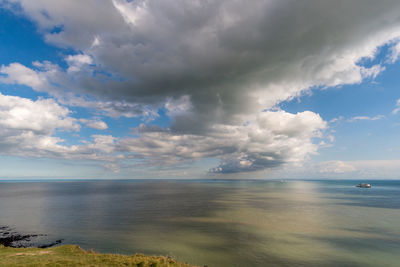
(77,62)
(95,124)
(335,167)
(79,59)
(334,120)
(19,74)
(104,143)
(397,109)
(366,118)
(47,77)
(40,116)
(130,13)
(29,128)
(395,53)
(99,125)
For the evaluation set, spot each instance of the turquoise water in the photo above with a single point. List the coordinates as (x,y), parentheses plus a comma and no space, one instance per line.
(218,223)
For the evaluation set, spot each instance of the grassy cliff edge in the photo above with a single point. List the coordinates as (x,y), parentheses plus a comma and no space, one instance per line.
(72,255)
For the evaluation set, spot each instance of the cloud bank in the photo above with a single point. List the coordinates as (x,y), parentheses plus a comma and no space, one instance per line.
(219,69)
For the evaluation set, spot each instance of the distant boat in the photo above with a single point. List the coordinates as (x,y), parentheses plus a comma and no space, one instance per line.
(364,185)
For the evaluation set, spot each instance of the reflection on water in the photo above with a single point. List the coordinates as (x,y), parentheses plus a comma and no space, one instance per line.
(218,223)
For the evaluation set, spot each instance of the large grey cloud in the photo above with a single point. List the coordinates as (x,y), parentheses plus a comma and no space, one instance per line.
(272,139)
(212,64)
(218,51)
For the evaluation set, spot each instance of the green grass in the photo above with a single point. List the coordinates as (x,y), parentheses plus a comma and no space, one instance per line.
(71,255)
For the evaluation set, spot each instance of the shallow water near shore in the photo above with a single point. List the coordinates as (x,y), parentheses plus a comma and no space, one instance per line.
(218,223)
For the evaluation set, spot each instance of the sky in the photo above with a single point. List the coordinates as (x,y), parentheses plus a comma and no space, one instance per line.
(140,89)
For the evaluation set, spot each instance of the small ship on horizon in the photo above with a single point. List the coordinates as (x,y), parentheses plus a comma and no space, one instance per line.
(362,185)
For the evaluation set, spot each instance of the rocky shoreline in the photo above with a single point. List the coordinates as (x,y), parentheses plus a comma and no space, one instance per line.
(36,252)
(11,238)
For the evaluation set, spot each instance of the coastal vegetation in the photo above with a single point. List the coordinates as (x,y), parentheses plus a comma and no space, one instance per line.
(72,255)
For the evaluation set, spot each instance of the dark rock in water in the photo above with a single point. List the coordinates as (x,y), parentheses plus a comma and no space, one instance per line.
(9,238)
(59,241)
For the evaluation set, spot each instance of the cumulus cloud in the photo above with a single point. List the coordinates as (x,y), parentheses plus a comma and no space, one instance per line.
(40,116)
(213,65)
(104,143)
(28,128)
(95,124)
(268,141)
(99,125)
(19,74)
(77,62)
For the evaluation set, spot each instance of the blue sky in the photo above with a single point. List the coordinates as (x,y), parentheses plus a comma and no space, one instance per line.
(143,89)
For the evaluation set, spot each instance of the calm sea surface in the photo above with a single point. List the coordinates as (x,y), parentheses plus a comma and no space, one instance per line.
(218,223)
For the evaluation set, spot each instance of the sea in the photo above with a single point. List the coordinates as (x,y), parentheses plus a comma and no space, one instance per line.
(215,222)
